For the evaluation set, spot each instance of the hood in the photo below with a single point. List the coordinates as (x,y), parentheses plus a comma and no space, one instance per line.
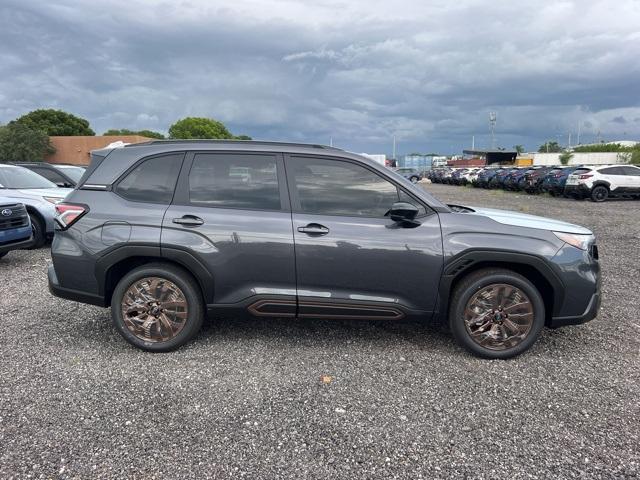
(530,221)
(42,192)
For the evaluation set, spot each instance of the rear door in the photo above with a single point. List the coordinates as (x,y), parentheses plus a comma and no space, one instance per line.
(231,211)
(351,260)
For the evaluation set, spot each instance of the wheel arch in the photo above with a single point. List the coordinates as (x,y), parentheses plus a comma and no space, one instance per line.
(117,263)
(531,267)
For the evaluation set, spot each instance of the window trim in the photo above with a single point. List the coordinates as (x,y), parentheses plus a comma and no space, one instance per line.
(114,186)
(295,200)
(182,197)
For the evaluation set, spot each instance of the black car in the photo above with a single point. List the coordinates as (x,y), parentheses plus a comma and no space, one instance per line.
(170,231)
(66,176)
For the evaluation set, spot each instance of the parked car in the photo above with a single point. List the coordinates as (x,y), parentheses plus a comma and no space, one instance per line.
(512,180)
(555,179)
(485,176)
(411,174)
(164,235)
(15,226)
(469,176)
(533,179)
(602,182)
(39,196)
(497,181)
(457,176)
(65,176)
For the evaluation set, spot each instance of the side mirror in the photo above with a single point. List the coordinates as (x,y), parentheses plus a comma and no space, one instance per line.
(404,213)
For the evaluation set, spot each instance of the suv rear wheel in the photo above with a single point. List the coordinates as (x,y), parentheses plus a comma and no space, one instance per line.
(599,193)
(157,307)
(496,313)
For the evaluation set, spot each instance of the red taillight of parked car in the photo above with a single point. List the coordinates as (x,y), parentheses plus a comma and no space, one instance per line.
(584,177)
(69,213)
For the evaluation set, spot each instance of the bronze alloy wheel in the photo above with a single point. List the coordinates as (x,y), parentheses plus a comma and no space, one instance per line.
(499,316)
(154,309)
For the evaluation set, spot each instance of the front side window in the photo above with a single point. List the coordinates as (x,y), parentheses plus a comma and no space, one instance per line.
(153,180)
(50,175)
(247,181)
(334,187)
(19,177)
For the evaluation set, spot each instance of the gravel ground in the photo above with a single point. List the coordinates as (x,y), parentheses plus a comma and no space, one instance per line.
(246,398)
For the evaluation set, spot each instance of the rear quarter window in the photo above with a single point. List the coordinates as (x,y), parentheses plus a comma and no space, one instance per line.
(152,181)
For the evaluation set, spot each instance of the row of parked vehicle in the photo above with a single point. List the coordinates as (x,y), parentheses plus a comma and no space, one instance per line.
(594,182)
(28,195)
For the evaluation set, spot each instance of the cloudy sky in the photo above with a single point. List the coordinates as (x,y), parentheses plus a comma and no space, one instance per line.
(359,72)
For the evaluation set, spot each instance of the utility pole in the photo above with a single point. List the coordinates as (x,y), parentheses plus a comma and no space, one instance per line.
(394,147)
(579,125)
(473,142)
(569,142)
(492,124)
(331,141)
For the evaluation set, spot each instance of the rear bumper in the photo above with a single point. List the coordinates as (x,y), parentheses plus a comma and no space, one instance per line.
(589,314)
(69,294)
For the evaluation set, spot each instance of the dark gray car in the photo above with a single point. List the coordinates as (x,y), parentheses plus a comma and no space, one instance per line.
(169,231)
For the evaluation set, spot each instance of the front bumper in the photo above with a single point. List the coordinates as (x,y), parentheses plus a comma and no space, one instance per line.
(16,239)
(589,314)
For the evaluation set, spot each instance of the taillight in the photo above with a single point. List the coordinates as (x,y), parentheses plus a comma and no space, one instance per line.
(69,213)
(584,177)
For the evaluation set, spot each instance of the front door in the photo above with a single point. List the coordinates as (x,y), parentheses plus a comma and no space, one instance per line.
(231,211)
(351,260)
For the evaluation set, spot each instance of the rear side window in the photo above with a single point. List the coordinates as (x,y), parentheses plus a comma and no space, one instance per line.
(153,180)
(235,181)
(613,171)
(581,171)
(50,175)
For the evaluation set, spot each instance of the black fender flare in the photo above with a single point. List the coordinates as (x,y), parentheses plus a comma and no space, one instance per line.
(469,260)
(178,256)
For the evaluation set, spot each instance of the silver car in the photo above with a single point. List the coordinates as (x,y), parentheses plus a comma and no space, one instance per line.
(37,193)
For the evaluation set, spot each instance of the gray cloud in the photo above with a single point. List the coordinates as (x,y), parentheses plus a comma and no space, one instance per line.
(359,72)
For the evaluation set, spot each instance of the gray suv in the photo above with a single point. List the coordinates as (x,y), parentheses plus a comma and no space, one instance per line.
(169,231)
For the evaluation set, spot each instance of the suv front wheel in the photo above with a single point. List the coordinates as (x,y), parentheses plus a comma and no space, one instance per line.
(496,313)
(157,307)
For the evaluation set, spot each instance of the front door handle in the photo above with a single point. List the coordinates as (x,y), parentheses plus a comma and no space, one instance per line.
(188,221)
(314,229)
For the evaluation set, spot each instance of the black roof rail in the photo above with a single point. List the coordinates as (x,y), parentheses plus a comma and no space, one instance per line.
(235,142)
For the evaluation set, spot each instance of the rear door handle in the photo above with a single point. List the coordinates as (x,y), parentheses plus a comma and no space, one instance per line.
(314,229)
(188,221)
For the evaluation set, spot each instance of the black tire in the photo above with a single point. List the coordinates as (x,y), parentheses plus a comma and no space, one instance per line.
(482,279)
(189,288)
(599,193)
(39,232)
(414,179)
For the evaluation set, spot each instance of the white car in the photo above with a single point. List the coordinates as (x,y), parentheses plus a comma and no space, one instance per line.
(600,182)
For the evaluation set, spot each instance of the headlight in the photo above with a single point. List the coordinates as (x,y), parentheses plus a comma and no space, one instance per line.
(53,200)
(579,241)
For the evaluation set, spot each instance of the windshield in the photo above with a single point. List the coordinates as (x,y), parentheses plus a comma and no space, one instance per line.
(74,172)
(18,177)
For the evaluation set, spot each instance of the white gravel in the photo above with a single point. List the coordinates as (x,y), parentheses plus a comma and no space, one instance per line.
(247,399)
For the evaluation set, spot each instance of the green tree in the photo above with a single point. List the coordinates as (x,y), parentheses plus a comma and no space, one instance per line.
(551,147)
(19,143)
(519,149)
(242,137)
(55,122)
(126,131)
(565,157)
(198,127)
